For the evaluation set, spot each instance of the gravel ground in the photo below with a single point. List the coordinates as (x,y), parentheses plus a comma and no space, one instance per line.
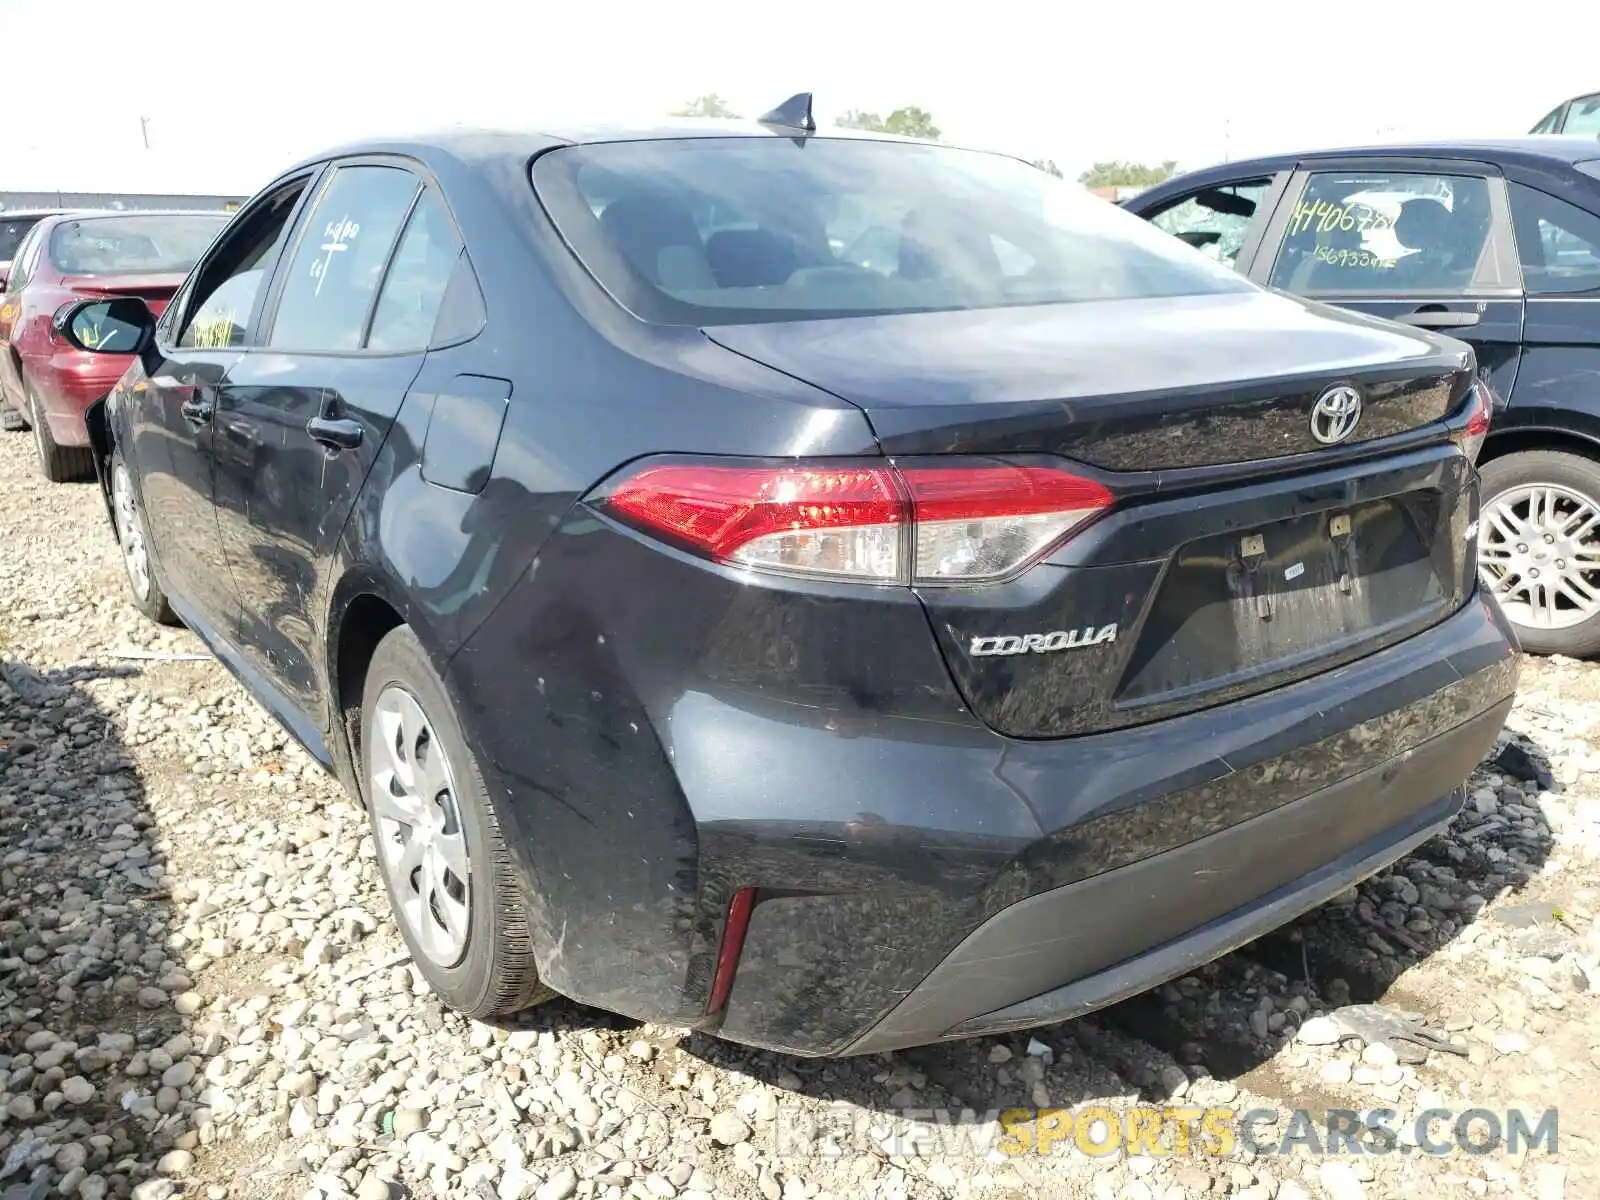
(201,992)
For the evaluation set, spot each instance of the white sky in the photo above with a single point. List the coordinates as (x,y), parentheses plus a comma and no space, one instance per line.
(233,92)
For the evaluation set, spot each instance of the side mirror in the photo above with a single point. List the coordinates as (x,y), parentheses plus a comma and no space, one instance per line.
(124,325)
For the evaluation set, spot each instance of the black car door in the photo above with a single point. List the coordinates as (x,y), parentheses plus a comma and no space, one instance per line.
(301,418)
(170,419)
(1427,243)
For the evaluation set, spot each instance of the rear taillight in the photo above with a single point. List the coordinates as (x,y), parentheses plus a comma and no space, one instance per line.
(913,521)
(1480,409)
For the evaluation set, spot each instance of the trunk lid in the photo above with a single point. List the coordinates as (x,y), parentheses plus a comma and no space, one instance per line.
(1127,385)
(154,290)
(1241,553)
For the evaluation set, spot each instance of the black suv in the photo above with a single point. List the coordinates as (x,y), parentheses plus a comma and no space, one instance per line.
(834,592)
(1496,243)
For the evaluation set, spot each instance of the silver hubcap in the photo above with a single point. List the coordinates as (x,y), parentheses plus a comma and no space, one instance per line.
(1539,549)
(421,844)
(130,533)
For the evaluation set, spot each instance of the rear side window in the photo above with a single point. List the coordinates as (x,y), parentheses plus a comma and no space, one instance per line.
(159,244)
(1375,232)
(12,231)
(330,285)
(27,258)
(1559,243)
(413,290)
(1215,221)
(727,230)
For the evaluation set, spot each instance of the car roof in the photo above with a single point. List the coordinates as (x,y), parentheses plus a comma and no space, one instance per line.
(1529,150)
(469,144)
(77,214)
(7,214)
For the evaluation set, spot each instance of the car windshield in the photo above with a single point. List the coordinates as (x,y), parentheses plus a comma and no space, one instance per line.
(714,231)
(12,231)
(155,244)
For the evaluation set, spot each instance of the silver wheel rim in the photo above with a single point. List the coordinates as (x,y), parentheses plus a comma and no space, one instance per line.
(130,533)
(421,843)
(1539,551)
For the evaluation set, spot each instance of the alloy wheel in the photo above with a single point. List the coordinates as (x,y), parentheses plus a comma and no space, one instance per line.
(421,843)
(1539,550)
(130,533)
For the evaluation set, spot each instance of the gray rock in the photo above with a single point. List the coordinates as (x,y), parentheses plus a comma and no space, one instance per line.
(1318,1031)
(77,1090)
(175,1162)
(561,1184)
(728,1129)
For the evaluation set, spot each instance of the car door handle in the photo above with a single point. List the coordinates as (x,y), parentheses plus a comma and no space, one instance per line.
(1438,318)
(336,433)
(198,410)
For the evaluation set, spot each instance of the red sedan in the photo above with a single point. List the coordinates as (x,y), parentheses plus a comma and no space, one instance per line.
(45,383)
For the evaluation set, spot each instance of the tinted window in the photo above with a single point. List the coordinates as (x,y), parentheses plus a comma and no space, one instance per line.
(12,231)
(223,295)
(1378,232)
(1583,116)
(22,266)
(1559,243)
(414,288)
(330,284)
(161,244)
(725,230)
(1216,220)
(1551,122)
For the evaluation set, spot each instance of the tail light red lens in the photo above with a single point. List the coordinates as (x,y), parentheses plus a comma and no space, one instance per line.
(915,521)
(1470,437)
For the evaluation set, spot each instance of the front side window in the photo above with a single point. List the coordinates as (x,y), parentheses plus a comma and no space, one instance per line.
(1583,117)
(158,244)
(1215,221)
(222,296)
(1559,243)
(414,288)
(1374,232)
(330,285)
(727,230)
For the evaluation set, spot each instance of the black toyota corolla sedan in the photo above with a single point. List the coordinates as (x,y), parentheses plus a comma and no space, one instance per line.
(834,592)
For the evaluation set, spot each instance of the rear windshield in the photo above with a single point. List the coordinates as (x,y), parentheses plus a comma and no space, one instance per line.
(719,231)
(12,231)
(159,243)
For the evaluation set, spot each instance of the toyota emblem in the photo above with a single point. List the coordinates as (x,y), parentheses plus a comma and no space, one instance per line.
(1334,415)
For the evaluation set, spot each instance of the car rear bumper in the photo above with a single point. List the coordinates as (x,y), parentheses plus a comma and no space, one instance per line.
(914,875)
(68,383)
(1074,949)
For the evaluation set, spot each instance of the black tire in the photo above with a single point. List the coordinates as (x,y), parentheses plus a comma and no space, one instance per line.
(496,973)
(1573,473)
(58,464)
(128,523)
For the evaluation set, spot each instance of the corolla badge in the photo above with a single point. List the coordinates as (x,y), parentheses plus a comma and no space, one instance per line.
(1334,415)
(1042,643)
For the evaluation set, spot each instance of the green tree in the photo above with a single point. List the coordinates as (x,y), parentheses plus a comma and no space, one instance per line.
(909,121)
(709,105)
(1127,174)
(1048,166)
